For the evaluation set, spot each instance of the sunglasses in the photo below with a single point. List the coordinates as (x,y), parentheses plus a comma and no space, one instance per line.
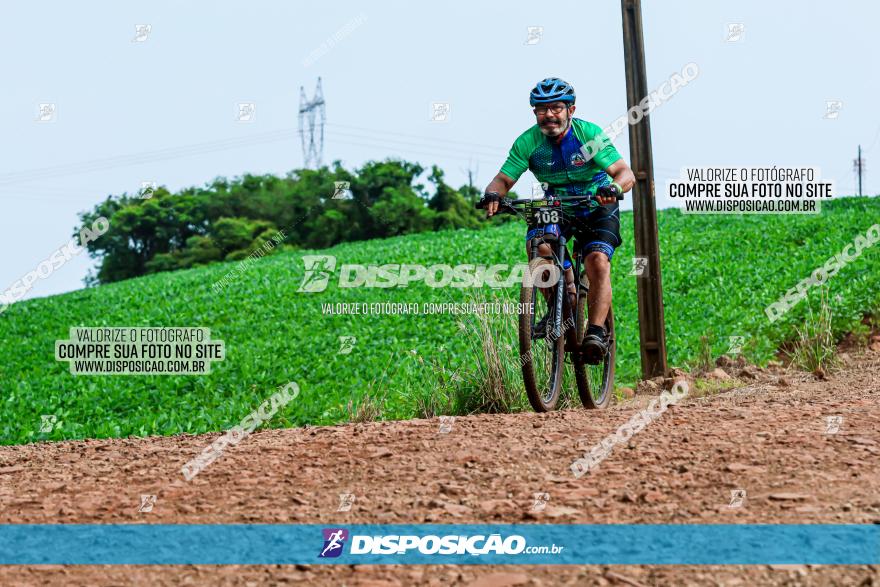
(554,108)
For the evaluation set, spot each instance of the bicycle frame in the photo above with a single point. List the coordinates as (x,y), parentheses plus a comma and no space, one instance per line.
(542,388)
(553,202)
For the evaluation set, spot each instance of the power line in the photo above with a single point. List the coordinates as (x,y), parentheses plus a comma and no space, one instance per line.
(874,142)
(418,152)
(47,193)
(422,137)
(101,164)
(144,157)
(484,151)
(405,146)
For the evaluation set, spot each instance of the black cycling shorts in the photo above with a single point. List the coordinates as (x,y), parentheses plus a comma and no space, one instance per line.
(594,230)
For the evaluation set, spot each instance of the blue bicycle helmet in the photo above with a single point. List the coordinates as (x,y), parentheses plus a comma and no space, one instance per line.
(552,89)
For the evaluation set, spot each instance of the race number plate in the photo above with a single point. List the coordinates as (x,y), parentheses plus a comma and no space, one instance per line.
(547,216)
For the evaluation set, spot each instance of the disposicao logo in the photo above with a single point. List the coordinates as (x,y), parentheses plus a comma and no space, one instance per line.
(320,268)
(334,540)
(432,544)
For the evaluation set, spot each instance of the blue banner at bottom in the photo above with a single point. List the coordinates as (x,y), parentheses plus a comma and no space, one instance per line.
(495,544)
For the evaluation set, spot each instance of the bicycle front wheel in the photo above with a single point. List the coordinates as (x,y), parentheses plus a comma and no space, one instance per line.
(541,352)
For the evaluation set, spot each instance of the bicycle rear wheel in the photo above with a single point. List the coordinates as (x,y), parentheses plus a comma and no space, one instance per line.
(594,382)
(542,358)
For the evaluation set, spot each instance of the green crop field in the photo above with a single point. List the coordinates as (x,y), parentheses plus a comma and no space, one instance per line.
(719,273)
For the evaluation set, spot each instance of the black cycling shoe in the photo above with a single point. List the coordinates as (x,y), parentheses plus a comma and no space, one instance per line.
(594,346)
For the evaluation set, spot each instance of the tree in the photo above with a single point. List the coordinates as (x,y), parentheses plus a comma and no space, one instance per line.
(228,219)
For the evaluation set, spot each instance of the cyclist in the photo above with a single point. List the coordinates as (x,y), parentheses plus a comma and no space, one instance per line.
(553,150)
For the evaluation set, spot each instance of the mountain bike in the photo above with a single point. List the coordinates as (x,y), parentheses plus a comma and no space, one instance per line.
(542,354)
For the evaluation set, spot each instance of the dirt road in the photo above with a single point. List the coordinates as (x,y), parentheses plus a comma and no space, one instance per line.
(769,440)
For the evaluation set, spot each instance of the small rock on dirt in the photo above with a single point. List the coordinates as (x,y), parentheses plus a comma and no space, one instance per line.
(648,387)
(800,570)
(719,374)
(501,580)
(622,579)
(560,512)
(748,374)
(736,468)
(652,496)
(671,382)
(788,496)
(449,489)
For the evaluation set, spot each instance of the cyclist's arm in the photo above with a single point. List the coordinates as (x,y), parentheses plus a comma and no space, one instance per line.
(621,175)
(501,184)
(516,164)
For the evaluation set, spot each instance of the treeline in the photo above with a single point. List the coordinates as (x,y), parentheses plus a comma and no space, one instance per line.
(227,219)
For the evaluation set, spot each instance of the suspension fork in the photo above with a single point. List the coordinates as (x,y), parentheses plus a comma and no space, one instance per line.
(558,259)
(560,287)
(578,279)
(534,244)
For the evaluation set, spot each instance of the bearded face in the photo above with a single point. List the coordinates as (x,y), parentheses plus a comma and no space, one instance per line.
(554,118)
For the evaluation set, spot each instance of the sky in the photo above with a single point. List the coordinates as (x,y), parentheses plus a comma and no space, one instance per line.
(163,106)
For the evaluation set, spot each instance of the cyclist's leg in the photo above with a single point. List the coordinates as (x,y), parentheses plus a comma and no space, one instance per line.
(598,268)
(600,235)
(545,249)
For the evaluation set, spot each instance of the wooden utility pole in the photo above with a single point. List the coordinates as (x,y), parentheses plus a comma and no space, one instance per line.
(858,166)
(471,173)
(652,326)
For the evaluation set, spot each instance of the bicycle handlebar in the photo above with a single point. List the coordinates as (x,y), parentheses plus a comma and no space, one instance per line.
(505,203)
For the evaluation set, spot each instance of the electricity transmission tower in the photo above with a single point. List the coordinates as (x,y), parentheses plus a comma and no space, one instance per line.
(311,113)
